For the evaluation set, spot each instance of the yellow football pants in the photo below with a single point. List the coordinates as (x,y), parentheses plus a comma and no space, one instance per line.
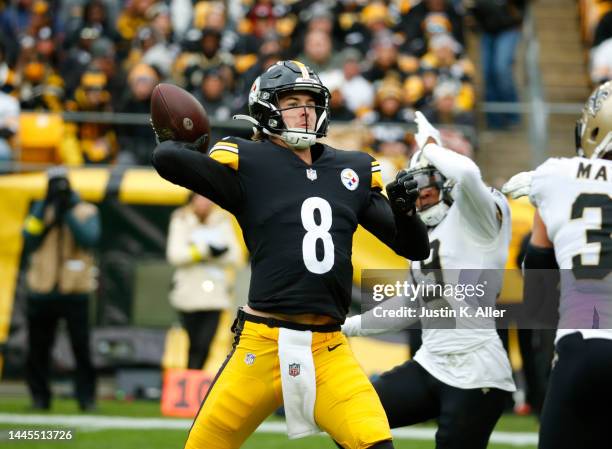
(247,390)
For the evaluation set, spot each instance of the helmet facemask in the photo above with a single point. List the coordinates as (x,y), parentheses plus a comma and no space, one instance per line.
(315,128)
(427,175)
(430,177)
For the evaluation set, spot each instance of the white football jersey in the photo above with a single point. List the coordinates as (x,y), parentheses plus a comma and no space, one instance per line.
(469,356)
(574,199)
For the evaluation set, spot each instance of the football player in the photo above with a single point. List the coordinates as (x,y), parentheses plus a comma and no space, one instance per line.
(298,203)
(572,230)
(460,376)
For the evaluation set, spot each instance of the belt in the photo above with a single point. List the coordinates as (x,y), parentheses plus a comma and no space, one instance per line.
(273,322)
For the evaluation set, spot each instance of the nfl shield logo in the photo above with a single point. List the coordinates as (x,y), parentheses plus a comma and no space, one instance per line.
(249,359)
(311,174)
(294,369)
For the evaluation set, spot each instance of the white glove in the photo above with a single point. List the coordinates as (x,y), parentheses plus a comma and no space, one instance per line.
(425,130)
(352,326)
(519,185)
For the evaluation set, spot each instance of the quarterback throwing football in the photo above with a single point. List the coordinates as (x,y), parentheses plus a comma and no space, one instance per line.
(298,203)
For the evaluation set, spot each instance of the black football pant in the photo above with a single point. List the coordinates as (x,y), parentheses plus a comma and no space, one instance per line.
(201,327)
(466,418)
(577,410)
(44,315)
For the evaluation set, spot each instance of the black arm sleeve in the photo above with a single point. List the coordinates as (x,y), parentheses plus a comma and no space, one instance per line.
(540,287)
(537,257)
(199,173)
(406,235)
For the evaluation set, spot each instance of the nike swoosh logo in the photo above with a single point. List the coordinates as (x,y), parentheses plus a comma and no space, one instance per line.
(331,348)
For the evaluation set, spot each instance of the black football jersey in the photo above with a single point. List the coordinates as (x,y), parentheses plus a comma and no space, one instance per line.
(298,222)
(297,219)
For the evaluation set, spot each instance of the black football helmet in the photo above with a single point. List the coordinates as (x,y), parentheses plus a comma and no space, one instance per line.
(283,77)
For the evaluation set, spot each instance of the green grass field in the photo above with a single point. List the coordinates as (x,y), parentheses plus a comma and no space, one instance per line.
(88,438)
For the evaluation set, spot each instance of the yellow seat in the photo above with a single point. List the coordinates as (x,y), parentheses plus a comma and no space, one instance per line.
(40,135)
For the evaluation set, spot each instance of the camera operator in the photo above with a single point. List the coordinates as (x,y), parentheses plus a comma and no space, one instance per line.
(60,233)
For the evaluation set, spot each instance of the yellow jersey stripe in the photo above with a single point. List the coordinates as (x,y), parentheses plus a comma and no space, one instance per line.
(225,157)
(377,182)
(196,255)
(34,225)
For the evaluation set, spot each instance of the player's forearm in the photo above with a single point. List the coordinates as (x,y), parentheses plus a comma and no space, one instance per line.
(199,173)
(412,240)
(406,235)
(378,320)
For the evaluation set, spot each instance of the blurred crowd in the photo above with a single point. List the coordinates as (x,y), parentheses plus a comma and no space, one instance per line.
(381,59)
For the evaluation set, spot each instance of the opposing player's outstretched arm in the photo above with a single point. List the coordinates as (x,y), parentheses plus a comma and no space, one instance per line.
(473,198)
(404,234)
(370,323)
(175,162)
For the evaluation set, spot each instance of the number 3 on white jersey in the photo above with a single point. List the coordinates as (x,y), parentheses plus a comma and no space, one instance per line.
(315,232)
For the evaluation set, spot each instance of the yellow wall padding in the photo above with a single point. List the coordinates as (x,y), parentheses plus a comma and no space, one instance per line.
(13,210)
(377,356)
(145,186)
(370,253)
(522,220)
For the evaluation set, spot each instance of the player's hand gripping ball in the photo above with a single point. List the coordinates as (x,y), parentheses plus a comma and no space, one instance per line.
(177,115)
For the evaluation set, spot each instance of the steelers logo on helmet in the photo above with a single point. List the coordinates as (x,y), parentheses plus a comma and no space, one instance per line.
(428,176)
(264,100)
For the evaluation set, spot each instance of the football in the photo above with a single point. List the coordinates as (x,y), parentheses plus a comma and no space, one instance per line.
(177,115)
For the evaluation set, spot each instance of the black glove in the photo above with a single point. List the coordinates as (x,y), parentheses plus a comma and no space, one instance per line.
(403,193)
(166,134)
(198,144)
(217,251)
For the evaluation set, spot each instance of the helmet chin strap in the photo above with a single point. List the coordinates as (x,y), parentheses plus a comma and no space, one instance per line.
(297,139)
(294,137)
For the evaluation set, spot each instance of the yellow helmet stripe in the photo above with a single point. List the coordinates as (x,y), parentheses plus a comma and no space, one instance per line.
(303,68)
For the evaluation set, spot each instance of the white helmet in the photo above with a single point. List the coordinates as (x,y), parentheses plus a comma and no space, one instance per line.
(427,175)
